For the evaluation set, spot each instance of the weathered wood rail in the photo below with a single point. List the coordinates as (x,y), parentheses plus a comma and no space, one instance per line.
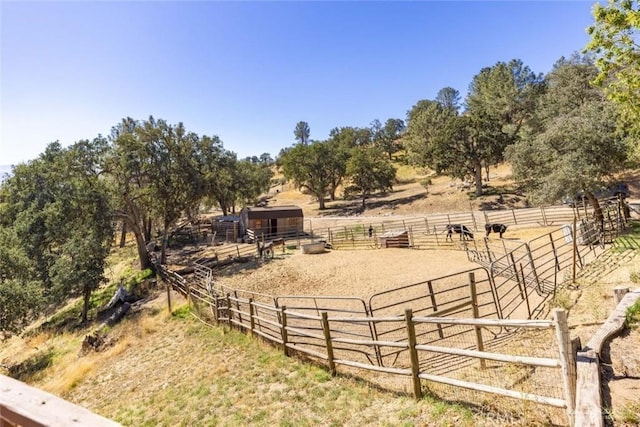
(24,406)
(589,411)
(431,349)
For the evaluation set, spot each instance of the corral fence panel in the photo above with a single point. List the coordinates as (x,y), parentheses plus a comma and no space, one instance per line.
(308,310)
(451,296)
(453,346)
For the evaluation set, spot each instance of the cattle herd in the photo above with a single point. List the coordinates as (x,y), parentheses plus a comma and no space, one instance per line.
(465,233)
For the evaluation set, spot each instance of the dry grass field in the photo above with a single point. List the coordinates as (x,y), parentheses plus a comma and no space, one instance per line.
(162,370)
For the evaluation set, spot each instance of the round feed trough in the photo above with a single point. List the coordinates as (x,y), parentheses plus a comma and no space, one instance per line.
(312,248)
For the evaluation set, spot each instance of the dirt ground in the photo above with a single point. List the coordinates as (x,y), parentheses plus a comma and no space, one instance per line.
(363,273)
(343,273)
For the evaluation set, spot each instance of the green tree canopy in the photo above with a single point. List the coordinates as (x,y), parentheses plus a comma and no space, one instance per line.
(57,207)
(579,146)
(308,168)
(302,132)
(614,44)
(387,137)
(369,171)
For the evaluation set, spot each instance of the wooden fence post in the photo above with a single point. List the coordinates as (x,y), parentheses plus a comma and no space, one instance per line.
(618,293)
(567,362)
(216,308)
(575,249)
(229,312)
(168,283)
(235,294)
(413,353)
(188,289)
(252,323)
(476,315)
(283,330)
(327,338)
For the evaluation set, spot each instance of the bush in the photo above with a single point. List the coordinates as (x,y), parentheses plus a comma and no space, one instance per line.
(426,183)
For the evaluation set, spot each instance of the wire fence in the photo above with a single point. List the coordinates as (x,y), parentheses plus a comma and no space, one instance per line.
(450,343)
(452,336)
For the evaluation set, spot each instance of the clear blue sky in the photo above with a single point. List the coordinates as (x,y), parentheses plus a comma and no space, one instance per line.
(249,71)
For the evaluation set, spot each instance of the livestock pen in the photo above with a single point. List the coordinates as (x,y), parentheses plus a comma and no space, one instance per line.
(443,348)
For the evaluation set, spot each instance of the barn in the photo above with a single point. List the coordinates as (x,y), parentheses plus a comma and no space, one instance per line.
(271,221)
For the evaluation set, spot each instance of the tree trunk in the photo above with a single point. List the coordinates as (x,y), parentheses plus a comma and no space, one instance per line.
(142,250)
(364,199)
(597,210)
(86,296)
(163,250)
(478,178)
(147,230)
(123,235)
(321,201)
(131,218)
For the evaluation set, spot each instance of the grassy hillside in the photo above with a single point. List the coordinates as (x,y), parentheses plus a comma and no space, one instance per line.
(162,369)
(167,369)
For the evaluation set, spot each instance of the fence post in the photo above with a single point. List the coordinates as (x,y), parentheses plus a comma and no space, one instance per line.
(283,317)
(515,270)
(168,283)
(473,218)
(327,338)
(567,362)
(575,249)
(486,245)
(476,314)
(252,323)
(524,293)
(544,217)
(215,308)
(513,212)
(411,239)
(188,289)
(434,305)
(413,353)
(235,295)
(229,312)
(618,293)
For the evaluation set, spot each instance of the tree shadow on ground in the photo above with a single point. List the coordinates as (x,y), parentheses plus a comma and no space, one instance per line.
(354,206)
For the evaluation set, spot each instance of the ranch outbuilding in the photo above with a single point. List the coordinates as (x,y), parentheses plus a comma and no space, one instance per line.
(271,221)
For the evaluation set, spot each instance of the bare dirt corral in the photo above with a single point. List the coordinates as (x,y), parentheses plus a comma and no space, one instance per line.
(343,273)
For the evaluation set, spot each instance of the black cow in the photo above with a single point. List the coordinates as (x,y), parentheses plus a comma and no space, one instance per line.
(460,229)
(496,228)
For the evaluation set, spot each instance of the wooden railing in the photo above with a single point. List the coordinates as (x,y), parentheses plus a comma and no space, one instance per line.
(431,349)
(24,406)
(589,411)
